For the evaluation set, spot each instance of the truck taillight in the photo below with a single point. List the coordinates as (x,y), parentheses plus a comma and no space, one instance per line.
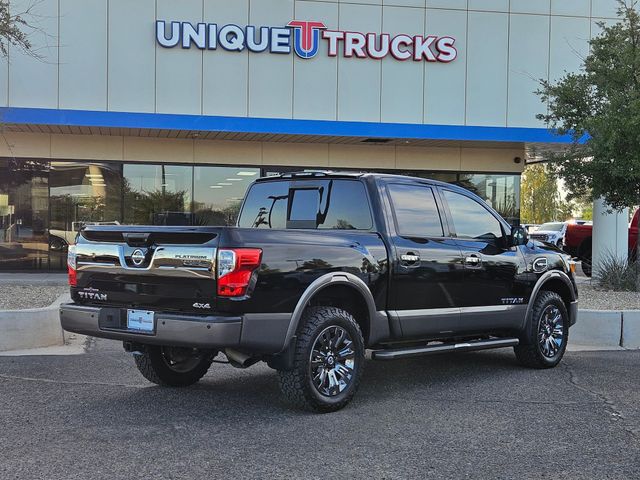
(71,265)
(235,269)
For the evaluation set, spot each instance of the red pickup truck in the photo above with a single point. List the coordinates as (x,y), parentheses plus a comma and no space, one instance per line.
(577,242)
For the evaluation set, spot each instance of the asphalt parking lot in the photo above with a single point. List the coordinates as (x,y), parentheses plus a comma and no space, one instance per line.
(475,415)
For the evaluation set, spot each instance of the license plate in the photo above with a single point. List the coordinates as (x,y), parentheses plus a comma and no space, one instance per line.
(140,320)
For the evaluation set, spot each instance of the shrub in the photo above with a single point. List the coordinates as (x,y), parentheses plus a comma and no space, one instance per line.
(614,273)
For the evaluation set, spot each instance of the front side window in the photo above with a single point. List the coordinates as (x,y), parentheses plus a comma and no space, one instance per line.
(415,210)
(322,204)
(470,219)
(500,191)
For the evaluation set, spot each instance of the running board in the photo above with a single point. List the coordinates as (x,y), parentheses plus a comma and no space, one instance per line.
(394,354)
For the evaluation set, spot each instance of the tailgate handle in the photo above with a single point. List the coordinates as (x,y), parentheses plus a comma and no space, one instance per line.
(137,239)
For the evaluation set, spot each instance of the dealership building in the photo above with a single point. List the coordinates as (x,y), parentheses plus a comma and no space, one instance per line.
(163,112)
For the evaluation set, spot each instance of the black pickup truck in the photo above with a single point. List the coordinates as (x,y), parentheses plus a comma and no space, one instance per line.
(320,267)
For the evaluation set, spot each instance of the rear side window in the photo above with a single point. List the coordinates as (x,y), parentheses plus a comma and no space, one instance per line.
(322,204)
(415,210)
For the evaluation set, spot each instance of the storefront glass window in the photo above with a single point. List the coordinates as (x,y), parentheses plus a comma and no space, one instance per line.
(81,193)
(24,213)
(43,204)
(218,193)
(157,194)
(502,192)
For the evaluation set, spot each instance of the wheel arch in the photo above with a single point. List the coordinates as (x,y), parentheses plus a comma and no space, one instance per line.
(58,237)
(347,291)
(554,281)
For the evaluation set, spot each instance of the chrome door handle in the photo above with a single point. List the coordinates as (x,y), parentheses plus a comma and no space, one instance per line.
(473,261)
(409,257)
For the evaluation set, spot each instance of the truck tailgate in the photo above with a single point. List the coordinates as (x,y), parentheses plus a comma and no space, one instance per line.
(162,268)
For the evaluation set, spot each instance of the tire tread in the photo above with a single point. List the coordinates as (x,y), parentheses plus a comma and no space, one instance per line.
(293,382)
(528,353)
(151,367)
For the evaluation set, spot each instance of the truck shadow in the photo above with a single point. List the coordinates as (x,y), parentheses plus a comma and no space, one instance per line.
(227,394)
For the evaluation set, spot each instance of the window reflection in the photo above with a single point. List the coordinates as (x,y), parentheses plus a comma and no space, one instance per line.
(157,194)
(218,193)
(502,192)
(43,203)
(24,213)
(470,219)
(81,193)
(335,204)
(266,206)
(423,222)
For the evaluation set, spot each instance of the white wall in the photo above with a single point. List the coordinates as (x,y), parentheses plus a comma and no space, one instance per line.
(102,54)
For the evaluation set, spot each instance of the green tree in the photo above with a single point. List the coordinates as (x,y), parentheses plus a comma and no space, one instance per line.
(583,206)
(599,108)
(565,210)
(539,196)
(587,212)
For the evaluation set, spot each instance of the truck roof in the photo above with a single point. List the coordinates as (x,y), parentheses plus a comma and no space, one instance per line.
(346,174)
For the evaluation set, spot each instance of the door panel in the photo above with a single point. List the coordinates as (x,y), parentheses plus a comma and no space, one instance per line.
(492,296)
(431,281)
(492,292)
(427,268)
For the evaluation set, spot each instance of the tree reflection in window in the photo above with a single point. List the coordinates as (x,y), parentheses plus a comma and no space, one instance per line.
(343,205)
(157,194)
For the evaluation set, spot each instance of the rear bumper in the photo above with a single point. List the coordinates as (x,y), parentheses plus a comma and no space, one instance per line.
(573,312)
(253,333)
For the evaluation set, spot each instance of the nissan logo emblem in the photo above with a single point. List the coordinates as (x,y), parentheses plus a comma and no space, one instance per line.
(137,257)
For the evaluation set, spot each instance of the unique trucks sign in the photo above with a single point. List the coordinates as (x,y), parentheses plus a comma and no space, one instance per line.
(305,39)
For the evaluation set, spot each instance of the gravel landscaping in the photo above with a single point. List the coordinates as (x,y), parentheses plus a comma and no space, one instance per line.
(17,297)
(592,298)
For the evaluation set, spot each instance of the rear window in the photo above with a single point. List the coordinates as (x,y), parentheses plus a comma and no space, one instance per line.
(322,204)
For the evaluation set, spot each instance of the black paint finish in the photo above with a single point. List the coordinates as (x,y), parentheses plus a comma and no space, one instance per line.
(441,286)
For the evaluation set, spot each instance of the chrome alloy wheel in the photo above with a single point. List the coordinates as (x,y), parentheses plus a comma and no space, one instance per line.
(332,361)
(551,331)
(179,359)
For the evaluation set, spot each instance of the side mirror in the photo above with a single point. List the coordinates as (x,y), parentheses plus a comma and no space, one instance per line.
(519,236)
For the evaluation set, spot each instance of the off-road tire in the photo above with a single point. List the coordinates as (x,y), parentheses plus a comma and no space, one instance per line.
(529,352)
(297,384)
(154,368)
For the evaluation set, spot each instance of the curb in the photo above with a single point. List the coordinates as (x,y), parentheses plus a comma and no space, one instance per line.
(607,328)
(40,327)
(32,328)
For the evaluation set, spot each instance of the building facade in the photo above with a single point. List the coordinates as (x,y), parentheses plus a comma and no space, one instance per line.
(163,112)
